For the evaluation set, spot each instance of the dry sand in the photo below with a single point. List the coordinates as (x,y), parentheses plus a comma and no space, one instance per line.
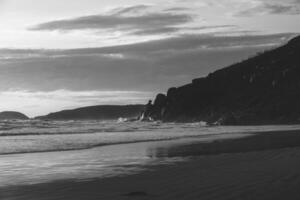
(264,166)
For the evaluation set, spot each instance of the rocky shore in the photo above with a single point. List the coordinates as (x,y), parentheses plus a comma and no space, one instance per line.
(264,89)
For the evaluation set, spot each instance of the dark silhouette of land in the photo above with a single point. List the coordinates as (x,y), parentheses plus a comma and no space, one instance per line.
(11,115)
(104,112)
(264,89)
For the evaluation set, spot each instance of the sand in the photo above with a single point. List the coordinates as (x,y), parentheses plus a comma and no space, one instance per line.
(263,166)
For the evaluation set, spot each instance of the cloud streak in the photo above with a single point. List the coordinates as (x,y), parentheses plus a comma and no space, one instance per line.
(132,20)
(268,7)
(149,66)
(101,97)
(180,43)
(137,9)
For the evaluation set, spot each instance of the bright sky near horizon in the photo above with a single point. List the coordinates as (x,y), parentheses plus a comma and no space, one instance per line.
(64,54)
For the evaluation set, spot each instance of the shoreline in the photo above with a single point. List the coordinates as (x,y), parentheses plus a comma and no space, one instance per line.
(212,132)
(261,166)
(260,141)
(232,136)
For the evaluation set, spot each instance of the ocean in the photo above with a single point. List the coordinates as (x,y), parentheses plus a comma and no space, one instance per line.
(35,151)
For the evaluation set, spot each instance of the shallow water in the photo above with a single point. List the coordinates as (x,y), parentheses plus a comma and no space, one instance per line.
(135,146)
(106,161)
(42,136)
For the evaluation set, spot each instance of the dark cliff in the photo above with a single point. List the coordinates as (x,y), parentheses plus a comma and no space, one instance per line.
(104,112)
(264,89)
(11,115)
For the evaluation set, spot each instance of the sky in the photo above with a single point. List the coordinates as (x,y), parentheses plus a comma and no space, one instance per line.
(58,55)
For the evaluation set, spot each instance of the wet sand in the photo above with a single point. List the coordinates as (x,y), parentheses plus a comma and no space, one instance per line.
(261,166)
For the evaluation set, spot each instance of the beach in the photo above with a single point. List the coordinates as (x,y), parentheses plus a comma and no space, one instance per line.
(149,100)
(253,166)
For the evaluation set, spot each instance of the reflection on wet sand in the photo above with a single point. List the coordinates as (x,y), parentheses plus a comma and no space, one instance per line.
(261,166)
(236,143)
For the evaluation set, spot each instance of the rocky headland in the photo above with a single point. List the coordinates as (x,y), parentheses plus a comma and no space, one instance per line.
(264,89)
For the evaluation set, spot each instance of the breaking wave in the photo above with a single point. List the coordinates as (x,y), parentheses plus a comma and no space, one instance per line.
(41,136)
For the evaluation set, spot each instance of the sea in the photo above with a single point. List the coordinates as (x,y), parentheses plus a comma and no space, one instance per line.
(37,151)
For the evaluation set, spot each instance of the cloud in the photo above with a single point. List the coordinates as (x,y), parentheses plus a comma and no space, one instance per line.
(272,7)
(131,20)
(156,31)
(138,51)
(50,80)
(101,97)
(130,10)
(149,66)
(177,9)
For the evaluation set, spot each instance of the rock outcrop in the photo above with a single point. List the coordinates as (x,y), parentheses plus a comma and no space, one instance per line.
(264,89)
(11,115)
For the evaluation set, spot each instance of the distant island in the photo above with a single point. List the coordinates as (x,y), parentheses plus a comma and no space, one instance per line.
(264,89)
(12,115)
(102,112)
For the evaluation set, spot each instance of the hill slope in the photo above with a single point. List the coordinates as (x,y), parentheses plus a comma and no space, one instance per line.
(9,115)
(264,89)
(104,112)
